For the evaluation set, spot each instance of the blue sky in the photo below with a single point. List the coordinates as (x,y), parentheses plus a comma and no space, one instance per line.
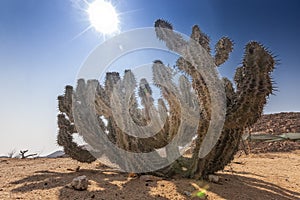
(41,52)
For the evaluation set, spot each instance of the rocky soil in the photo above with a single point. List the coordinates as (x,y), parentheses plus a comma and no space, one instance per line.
(276,124)
(257,176)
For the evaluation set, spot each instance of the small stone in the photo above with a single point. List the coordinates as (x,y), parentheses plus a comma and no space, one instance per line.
(213,178)
(132,175)
(187,193)
(149,178)
(80,183)
(77,169)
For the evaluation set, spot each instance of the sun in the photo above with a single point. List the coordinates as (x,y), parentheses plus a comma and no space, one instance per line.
(103,17)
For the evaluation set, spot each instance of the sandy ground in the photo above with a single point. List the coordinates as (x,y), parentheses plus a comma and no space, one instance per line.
(256,176)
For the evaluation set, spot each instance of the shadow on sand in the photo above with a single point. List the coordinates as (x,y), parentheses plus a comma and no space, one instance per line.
(104,185)
(239,186)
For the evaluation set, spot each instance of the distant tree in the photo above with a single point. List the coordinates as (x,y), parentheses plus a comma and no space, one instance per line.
(11,153)
(22,154)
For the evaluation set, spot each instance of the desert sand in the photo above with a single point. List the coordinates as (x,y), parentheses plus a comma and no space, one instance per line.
(256,176)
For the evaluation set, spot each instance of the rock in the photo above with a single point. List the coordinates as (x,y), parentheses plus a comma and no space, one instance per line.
(132,175)
(213,178)
(80,183)
(149,178)
(77,169)
(187,193)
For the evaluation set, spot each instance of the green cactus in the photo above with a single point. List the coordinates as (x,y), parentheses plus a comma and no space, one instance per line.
(244,105)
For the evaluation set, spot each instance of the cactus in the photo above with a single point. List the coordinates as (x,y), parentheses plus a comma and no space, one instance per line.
(244,105)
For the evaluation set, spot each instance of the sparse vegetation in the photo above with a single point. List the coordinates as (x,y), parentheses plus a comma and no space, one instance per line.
(11,153)
(22,154)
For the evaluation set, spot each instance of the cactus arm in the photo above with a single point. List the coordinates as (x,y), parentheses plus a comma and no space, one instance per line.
(244,106)
(67,128)
(145,93)
(254,85)
(202,38)
(222,50)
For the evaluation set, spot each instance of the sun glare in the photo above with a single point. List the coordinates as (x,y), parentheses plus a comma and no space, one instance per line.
(103,17)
